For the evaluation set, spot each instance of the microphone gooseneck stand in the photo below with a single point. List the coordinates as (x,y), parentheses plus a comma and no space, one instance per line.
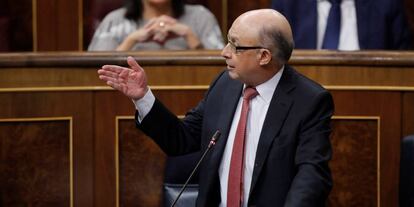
(213,141)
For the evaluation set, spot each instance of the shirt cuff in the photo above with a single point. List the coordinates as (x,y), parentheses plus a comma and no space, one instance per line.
(144,105)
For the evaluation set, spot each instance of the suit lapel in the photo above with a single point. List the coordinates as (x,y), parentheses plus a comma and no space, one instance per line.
(278,110)
(231,96)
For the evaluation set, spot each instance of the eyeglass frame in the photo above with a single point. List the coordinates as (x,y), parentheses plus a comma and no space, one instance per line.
(238,49)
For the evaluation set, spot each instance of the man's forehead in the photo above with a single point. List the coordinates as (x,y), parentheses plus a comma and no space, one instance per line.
(231,35)
(239,34)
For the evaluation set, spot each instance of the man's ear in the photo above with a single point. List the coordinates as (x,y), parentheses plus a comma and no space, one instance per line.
(265,57)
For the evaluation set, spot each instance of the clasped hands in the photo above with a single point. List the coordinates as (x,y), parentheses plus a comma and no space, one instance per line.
(160,30)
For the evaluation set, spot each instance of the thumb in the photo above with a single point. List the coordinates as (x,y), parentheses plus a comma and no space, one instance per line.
(133,64)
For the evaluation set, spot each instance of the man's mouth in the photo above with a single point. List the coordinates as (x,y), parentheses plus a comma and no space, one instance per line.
(230,67)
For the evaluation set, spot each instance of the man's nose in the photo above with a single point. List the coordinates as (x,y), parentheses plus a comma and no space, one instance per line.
(226,52)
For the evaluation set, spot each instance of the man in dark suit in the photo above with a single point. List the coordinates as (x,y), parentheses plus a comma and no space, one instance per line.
(378,24)
(284,161)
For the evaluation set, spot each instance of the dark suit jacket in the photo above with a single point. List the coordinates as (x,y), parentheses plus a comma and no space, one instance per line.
(381,24)
(291,165)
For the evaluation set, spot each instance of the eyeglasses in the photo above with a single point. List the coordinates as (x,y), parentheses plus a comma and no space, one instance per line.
(237,49)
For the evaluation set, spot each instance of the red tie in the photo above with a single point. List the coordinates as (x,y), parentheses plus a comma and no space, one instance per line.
(235,183)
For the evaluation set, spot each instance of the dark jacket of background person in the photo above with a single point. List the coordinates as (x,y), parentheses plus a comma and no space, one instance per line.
(381,24)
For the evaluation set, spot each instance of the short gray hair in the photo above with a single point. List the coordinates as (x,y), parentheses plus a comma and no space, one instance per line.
(278,44)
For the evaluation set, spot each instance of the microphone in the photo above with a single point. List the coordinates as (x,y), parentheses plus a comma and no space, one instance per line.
(213,141)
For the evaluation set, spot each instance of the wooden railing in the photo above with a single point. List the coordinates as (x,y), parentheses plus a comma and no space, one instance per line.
(67,135)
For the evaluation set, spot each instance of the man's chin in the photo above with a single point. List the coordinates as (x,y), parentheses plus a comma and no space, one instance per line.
(233,75)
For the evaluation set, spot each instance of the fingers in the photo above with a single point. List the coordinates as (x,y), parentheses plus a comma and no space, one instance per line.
(167,19)
(114,71)
(108,78)
(159,29)
(108,73)
(179,29)
(111,74)
(153,27)
(113,68)
(133,64)
(160,37)
(160,22)
(111,81)
(116,83)
(115,86)
(150,23)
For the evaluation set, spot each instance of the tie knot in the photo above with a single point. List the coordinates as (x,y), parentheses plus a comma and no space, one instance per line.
(249,93)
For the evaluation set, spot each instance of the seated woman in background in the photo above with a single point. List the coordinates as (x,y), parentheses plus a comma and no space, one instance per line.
(157,24)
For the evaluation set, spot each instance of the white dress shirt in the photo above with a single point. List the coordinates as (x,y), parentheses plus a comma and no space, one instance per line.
(144,105)
(348,38)
(258,110)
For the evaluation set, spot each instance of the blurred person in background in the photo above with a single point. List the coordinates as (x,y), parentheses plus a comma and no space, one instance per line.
(157,24)
(347,24)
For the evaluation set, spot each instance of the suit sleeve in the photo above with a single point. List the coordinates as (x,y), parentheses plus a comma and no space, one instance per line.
(313,182)
(173,135)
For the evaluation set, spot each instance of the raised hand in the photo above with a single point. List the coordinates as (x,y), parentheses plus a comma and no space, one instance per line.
(130,81)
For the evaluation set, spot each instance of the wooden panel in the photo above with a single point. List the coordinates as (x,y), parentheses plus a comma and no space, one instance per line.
(343,76)
(57,104)
(57,25)
(141,167)
(408,114)
(387,106)
(373,69)
(355,161)
(110,105)
(35,162)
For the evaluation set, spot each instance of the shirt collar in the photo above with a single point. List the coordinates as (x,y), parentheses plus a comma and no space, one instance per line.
(267,88)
